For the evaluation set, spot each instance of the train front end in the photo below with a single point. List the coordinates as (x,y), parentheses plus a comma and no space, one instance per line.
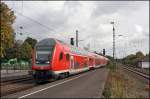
(42,59)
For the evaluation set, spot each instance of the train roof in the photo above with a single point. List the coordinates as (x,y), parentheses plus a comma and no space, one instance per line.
(49,42)
(46,42)
(77,50)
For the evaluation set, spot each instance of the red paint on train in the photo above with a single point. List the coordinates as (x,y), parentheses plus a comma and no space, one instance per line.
(52,58)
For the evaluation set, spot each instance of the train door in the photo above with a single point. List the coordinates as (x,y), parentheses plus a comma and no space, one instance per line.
(71,63)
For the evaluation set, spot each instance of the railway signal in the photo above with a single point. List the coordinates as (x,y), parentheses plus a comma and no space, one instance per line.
(72,41)
(104,52)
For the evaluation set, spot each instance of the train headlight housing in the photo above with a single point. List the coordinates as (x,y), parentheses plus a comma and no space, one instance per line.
(37,62)
(47,62)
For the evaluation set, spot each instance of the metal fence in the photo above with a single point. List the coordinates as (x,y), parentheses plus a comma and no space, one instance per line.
(14,67)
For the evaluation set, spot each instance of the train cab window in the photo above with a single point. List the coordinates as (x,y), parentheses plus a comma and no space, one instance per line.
(67,57)
(61,56)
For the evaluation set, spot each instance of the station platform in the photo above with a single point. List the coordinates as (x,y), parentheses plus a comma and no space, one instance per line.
(14,74)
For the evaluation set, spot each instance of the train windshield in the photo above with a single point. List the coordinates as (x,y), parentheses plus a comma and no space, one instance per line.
(44,51)
(44,56)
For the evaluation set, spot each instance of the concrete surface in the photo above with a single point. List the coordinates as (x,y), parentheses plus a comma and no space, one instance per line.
(85,85)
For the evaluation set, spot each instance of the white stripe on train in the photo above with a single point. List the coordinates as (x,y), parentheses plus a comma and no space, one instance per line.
(73,71)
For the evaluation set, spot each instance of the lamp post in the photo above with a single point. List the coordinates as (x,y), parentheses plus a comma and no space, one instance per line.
(113,44)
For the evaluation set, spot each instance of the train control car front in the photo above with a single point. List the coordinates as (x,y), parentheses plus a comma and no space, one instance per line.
(42,59)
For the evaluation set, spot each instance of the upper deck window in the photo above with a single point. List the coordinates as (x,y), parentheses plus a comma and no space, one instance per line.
(61,56)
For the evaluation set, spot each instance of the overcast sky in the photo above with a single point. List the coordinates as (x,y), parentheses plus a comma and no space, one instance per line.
(60,19)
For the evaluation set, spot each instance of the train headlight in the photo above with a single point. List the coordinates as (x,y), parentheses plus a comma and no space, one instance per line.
(33,72)
(37,62)
(47,62)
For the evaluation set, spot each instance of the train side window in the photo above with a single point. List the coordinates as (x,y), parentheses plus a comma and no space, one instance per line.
(67,57)
(61,56)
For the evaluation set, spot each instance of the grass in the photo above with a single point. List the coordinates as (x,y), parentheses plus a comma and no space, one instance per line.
(121,85)
(116,86)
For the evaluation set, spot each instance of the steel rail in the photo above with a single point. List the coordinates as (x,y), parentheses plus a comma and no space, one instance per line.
(139,73)
(22,79)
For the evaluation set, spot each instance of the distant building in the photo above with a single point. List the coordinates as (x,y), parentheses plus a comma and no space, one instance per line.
(144,63)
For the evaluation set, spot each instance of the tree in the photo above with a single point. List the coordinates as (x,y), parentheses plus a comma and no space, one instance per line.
(140,55)
(133,58)
(13,52)
(6,30)
(25,51)
(2,51)
(31,41)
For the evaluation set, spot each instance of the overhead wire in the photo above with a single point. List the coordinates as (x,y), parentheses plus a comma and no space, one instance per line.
(36,22)
(33,20)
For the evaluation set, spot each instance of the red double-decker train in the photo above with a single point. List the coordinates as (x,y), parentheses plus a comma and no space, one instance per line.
(54,59)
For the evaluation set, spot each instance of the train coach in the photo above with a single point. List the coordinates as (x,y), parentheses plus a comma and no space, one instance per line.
(53,58)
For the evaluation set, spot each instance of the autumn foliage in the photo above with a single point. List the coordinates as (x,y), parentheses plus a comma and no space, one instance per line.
(6,30)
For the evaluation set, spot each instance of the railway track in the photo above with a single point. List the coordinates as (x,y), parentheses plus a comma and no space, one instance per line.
(142,70)
(12,81)
(20,84)
(142,74)
(15,85)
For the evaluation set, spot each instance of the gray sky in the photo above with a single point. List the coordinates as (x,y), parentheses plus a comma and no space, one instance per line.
(60,19)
